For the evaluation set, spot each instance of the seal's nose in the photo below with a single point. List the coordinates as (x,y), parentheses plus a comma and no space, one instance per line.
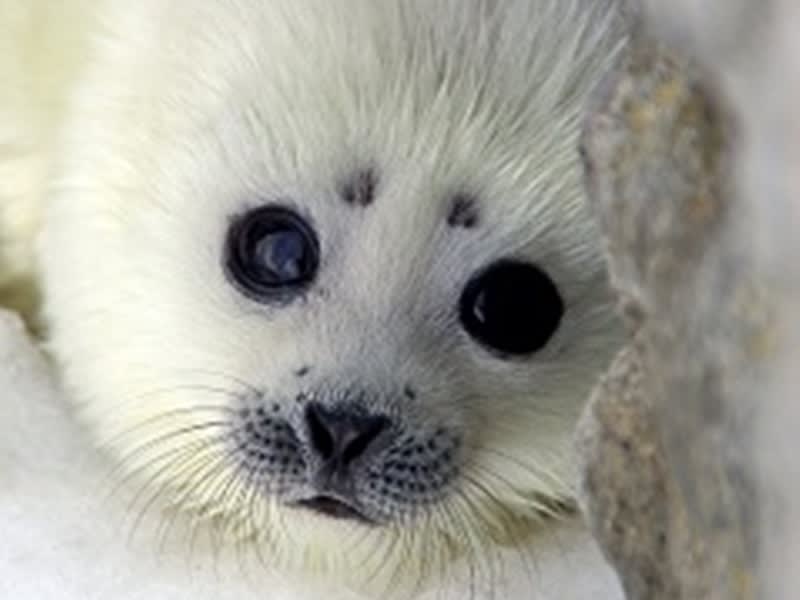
(341,435)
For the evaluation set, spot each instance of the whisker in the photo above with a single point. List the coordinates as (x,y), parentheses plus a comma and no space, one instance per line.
(243,521)
(199,477)
(533,470)
(483,551)
(147,486)
(219,490)
(113,411)
(227,376)
(457,512)
(108,444)
(124,463)
(516,404)
(180,459)
(380,545)
(193,467)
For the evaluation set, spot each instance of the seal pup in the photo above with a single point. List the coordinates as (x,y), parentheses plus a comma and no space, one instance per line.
(319,272)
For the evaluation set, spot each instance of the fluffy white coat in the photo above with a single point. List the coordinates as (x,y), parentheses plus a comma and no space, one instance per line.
(130,134)
(63,539)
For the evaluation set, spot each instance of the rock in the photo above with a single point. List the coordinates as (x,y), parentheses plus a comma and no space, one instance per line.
(666,438)
(629,492)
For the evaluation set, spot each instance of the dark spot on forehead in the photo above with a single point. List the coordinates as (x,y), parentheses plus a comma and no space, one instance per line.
(302,371)
(463,211)
(359,189)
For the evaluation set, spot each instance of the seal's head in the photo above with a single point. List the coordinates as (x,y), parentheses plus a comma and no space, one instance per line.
(325,269)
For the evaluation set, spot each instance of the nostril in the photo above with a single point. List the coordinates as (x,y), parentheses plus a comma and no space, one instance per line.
(321,439)
(371,429)
(342,434)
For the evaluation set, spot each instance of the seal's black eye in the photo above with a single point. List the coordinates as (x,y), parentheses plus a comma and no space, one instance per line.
(272,253)
(513,308)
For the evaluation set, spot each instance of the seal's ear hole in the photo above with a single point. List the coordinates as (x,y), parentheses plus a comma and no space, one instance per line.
(271,253)
(512,308)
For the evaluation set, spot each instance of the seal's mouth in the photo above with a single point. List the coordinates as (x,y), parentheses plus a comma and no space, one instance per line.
(335,508)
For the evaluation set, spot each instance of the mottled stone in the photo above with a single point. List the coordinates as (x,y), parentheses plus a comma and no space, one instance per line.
(666,436)
(625,482)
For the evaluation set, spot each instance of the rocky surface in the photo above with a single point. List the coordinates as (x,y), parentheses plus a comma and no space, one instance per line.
(691,468)
(666,438)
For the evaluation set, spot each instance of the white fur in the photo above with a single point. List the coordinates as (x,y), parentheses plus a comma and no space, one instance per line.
(63,539)
(167,117)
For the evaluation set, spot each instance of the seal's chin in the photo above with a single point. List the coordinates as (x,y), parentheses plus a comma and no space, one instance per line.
(334,507)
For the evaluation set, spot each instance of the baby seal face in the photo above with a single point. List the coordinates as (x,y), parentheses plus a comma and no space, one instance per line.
(327,274)
(353,437)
